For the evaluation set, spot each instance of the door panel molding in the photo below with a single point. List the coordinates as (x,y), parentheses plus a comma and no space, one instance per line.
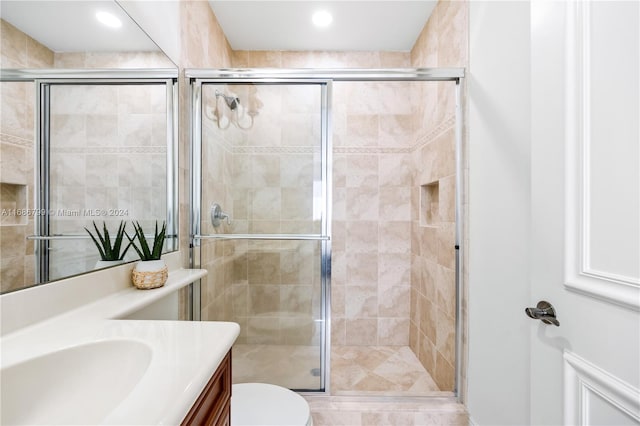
(584,382)
(580,274)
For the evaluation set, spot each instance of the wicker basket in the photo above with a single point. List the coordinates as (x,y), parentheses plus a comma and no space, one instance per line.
(149,279)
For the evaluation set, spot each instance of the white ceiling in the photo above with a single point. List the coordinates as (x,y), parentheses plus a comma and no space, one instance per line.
(357,25)
(71,26)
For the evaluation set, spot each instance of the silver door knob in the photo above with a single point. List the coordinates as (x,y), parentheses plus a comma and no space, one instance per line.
(544,312)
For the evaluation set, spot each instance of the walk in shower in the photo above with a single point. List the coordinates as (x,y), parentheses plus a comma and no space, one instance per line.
(326,208)
(261,222)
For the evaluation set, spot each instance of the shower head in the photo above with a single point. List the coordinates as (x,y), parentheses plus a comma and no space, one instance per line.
(231,101)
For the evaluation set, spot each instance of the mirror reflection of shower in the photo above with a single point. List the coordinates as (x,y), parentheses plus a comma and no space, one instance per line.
(230,109)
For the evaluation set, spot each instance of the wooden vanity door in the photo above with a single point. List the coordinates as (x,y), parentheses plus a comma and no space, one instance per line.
(213,406)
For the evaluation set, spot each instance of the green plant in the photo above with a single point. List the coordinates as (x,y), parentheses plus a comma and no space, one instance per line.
(143,250)
(103,242)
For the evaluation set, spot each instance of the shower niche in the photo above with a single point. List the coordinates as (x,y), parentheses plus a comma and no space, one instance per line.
(429,204)
(13,203)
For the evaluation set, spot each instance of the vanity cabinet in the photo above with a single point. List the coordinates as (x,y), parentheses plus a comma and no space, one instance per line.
(213,406)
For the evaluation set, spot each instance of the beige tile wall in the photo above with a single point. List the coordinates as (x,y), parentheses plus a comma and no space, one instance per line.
(372,138)
(17,50)
(129,60)
(219,258)
(432,332)
(108,153)
(263,178)
(203,45)
(442,43)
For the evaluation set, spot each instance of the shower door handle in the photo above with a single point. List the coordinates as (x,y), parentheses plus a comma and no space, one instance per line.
(544,312)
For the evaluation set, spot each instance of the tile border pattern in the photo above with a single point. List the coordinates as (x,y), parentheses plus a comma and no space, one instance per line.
(112,150)
(445,125)
(16,140)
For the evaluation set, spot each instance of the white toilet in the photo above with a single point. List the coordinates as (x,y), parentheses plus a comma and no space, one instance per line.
(262,404)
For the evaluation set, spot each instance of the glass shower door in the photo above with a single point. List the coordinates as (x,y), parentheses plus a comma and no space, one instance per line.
(263,226)
(104,158)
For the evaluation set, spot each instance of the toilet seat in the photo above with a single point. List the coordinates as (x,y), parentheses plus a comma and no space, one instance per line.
(262,404)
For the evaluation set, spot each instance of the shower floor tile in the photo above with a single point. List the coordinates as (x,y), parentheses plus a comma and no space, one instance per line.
(355,370)
(379,370)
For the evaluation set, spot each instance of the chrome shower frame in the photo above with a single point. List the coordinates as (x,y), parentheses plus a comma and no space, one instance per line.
(196,79)
(327,76)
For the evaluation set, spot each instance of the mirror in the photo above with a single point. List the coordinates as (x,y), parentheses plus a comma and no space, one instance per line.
(94,144)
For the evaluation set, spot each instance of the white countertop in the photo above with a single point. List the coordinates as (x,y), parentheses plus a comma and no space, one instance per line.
(184,354)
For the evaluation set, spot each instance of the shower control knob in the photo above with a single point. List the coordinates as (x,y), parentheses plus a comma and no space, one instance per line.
(217,215)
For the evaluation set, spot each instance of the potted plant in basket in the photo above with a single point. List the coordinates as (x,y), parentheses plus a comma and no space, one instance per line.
(110,254)
(151,271)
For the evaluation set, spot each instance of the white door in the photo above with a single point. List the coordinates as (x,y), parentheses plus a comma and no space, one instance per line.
(585,188)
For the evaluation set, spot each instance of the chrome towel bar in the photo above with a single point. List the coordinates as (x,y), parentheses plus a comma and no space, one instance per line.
(262,237)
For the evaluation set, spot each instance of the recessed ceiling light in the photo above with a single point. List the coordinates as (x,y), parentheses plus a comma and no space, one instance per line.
(109,19)
(322,18)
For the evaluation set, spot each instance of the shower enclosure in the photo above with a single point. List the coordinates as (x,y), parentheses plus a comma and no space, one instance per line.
(312,186)
(261,222)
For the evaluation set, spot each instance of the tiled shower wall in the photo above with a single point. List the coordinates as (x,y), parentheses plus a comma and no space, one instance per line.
(372,138)
(202,45)
(217,301)
(442,43)
(278,282)
(108,153)
(129,60)
(17,50)
(263,178)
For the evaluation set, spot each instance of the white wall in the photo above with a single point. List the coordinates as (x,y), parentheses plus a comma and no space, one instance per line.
(167,308)
(160,20)
(499,215)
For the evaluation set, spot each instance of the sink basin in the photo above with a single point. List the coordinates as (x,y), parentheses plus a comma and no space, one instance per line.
(77,385)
